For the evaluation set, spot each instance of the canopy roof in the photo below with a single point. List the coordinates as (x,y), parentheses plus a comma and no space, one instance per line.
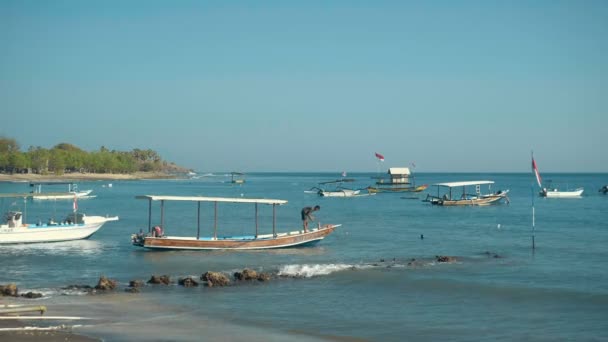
(51,183)
(455,184)
(399,171)
(211,199)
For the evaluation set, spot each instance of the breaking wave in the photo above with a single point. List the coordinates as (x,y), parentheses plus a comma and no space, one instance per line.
(309,271)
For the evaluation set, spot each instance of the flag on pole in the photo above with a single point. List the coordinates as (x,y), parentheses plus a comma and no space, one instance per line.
(536,173)
(75,206)
(379,156)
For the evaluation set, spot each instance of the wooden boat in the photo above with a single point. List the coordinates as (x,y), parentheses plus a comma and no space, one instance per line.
(75,226)
(155,238)
(398,181)
(338,191)
(451,198)
(237,178)
(38,194)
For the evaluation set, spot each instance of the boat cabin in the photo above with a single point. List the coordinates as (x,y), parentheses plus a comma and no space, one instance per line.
(237,178)
(397,175)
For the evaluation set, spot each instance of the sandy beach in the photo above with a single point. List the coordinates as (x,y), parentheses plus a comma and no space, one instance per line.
(84,177)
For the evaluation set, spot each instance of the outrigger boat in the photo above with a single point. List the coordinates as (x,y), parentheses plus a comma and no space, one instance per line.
(338,191)
(156,239)
(399,181)
(450,198)
(75,226)
(237,178)
(37,193)
(551,192)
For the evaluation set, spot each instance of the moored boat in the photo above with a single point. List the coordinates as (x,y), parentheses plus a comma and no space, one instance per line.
(155,238)
(453,197)
(38,194)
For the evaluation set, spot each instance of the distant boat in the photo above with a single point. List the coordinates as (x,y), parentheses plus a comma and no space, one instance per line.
(237,178)
(75,226)
(453,197)
(551,192)
(38,194)
(398,181)
(604,189)
(156,239)
(336,189)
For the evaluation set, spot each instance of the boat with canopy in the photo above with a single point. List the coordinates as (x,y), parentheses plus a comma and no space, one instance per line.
(155,238)
(336,189)
(398,181)
(452,195)
(38,194)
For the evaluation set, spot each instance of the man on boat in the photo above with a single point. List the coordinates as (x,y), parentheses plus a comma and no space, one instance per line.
(307,215)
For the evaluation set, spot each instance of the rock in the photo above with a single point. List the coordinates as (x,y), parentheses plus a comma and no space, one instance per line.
(31,295)
(9,290)
(444,258)
(263,277)
(106,284)
(77,287)
(247,274)
(215,279)
(164,280)
(187,282)
(136,283)
(132,289)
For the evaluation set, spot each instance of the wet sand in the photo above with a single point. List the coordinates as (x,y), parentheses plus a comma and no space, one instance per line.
(6,334)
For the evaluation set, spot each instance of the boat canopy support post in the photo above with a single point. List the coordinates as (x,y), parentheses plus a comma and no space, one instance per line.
(274,220)
(150,215)
(215,221)
(256,220)
(198,221)
(162,214)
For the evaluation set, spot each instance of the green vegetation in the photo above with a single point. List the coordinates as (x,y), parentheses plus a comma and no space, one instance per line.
(67,158)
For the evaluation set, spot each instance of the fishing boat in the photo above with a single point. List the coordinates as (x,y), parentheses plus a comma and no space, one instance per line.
(398,181)
(75,226)
(237,178)
(155,238)
(453,197)
(336,189)
(38,194)
(551,192)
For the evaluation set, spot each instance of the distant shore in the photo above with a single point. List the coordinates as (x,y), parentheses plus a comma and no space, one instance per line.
(30,177)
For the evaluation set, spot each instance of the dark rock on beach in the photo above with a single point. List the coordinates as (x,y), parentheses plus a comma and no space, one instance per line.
(31,295)
(445,258)
(249,274)
(187,282)
(9,290)
(215,279)
(164,280)
(132,289)
(106,284)
(136,283)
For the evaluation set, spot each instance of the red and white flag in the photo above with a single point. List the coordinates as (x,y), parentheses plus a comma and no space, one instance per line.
(536,173)
(75,206)
(379,156)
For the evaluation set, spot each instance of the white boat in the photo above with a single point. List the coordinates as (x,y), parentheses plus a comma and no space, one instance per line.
(75,226)
(551,192)
(37,193)
(156,239)
(338,191)
(457,198)
(555,193)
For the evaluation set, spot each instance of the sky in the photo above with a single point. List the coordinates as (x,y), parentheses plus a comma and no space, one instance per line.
(252,86)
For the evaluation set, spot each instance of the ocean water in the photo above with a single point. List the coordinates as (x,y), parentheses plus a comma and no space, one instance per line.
(358,284)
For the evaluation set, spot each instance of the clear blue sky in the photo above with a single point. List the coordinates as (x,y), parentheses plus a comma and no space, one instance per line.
(313,85)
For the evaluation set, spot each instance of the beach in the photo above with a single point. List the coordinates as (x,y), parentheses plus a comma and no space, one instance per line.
(77,176)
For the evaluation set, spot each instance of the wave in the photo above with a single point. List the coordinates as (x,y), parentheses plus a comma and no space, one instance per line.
(309,271)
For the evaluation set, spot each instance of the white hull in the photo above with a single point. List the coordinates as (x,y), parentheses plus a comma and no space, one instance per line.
(31,233)
(340,193)
(562,194)
(70,195)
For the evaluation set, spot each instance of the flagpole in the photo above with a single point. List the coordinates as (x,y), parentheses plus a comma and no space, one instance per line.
(533,211)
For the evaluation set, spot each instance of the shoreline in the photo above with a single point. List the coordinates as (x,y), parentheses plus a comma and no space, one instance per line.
(19,177)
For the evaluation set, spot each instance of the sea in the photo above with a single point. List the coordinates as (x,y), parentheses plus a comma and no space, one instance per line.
(515,275)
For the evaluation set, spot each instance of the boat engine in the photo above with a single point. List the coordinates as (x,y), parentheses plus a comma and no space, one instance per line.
(13,219)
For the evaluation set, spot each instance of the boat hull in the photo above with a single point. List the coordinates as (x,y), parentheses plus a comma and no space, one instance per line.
(283,240)
(397,189)
(562,194)
(67,196)
(477,201)
(31,233)
(339,193)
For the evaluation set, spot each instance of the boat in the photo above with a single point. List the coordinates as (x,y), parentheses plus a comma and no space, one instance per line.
(549,191)
(75,226)
(237,178)
(604,189)
(38,194)
(155,238)
(456,198)
(398,181)
(337,190)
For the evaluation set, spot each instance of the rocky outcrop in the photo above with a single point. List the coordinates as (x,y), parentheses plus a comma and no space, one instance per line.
(9,290)
(136,283)
(249,274)
(215,279)
(105,284)
(163,280)
(187,282)
(445,258)
(31,295)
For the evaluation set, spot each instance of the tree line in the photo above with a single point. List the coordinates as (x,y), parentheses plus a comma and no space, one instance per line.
(67,158)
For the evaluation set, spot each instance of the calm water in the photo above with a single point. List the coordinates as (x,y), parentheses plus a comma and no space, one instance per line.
(559,292)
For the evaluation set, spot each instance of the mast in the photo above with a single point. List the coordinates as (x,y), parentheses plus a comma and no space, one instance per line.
(532,195)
